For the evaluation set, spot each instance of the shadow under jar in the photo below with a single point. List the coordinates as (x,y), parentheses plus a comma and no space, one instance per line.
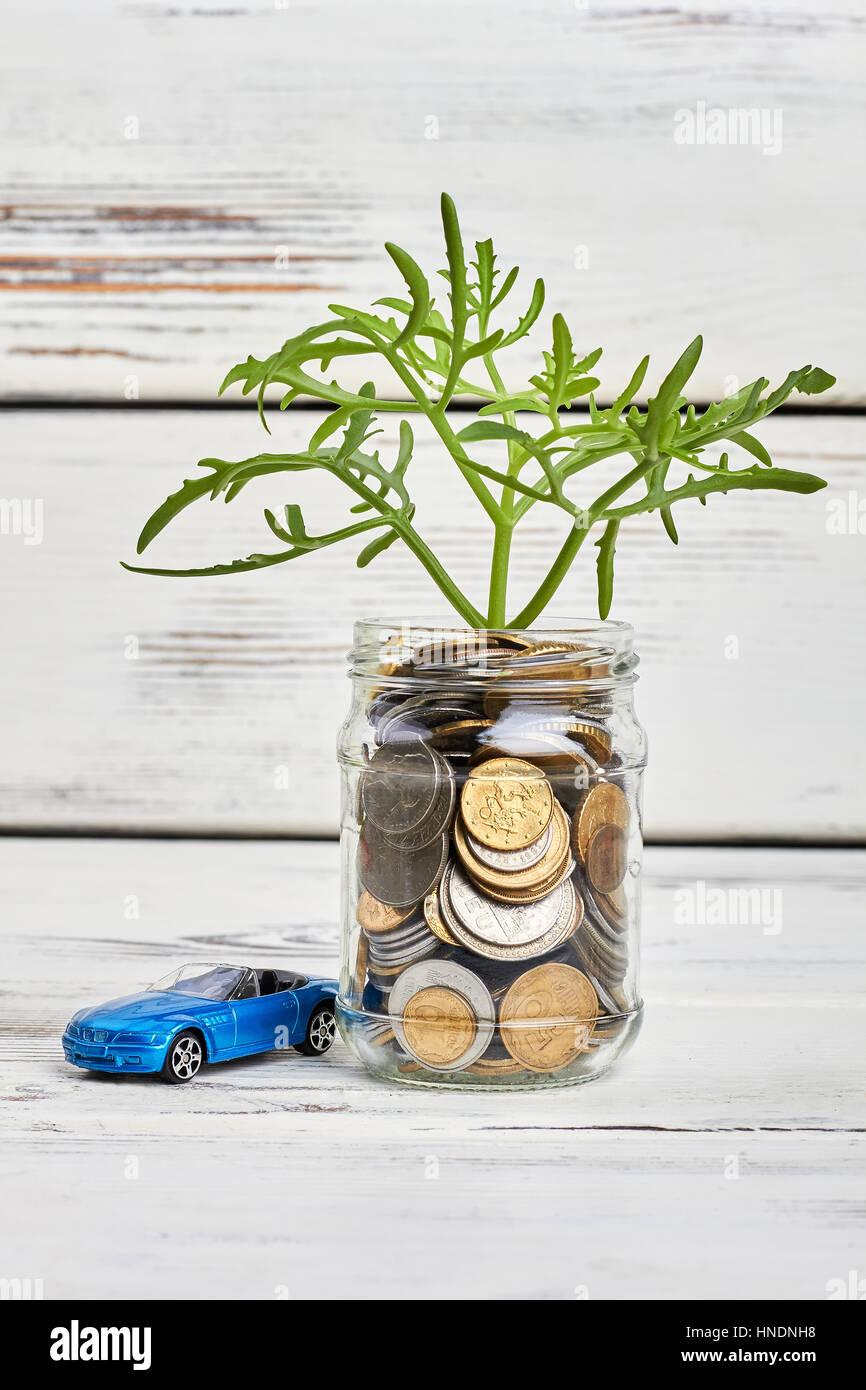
(491,852)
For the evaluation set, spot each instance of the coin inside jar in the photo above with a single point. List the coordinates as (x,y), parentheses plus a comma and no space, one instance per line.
(398,877)
(502,924)
(375,917)
(607,858)
(438,1026)
(544,873)
(506,803)
(547,1016)
(400,787)
(510,860)
(433,918)
(603,804)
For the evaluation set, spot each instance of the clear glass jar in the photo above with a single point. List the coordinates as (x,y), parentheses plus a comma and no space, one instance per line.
(491,853)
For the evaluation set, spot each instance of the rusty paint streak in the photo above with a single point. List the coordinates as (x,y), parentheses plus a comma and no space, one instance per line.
(142,214)
(154,287)
(82,352)
(61,258)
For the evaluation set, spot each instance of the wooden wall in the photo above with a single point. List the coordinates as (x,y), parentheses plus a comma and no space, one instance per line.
(185,185)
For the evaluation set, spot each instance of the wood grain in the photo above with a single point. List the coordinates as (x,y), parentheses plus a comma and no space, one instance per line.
(212,705)
(235,168)
(273,1175)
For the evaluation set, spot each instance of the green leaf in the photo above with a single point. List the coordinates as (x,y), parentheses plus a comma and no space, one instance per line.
(509,403)
(752,446)
(604,567)
(563,356)
(624,400)
(815,381)
(418,287)
(668,394)
(506,287)
(376,547)
(536,305)
(456,268)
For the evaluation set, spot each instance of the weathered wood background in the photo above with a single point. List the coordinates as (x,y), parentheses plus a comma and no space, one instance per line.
(141,703)
(225,174)
(184,186)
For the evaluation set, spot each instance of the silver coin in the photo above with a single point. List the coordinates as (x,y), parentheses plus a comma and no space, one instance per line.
(563,927)
(501,924)
(406,951)
(438,818)
(400,787)
(408,957)
(405,932)
(398,877)
(445,974)
(610,996)
(511,860)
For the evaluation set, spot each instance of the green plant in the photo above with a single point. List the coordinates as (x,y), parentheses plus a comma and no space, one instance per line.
(436,359)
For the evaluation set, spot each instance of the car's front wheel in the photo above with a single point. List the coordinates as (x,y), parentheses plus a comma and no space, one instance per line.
(321,1031)
(183,1059)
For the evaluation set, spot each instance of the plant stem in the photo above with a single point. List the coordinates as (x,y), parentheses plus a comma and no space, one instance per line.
(439,575)
(554,577)
(500,558)
(574,540)
(439,421)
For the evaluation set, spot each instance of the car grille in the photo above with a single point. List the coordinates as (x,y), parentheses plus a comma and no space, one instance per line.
(92,1035)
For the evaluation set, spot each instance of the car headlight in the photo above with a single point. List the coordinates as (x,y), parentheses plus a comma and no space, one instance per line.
(139,1039)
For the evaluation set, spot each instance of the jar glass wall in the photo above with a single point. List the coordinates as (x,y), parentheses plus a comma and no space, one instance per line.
(491,853)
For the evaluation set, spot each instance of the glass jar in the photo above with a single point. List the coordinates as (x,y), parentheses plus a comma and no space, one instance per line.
(491,853)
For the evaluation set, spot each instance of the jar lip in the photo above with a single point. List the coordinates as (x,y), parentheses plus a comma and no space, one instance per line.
(385,649)
(443,622)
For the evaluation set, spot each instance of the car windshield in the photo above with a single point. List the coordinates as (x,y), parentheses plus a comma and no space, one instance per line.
(203,981)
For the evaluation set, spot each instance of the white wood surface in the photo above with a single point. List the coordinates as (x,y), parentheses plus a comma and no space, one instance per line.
(276,146)
(131,703)
(280,1175)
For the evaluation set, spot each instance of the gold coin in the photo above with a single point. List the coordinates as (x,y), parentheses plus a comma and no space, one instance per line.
(532,895)
(515,881)
(549,648)
(433,918)
(596,741)
(359,974)
(459,734)
(547,1017)
(617,902)
(607,858)
(603,804)
(439,1026)
(504,1066)
(506,803)
(376,917)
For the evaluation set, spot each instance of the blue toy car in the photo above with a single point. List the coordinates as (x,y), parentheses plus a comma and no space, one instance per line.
(204,1013)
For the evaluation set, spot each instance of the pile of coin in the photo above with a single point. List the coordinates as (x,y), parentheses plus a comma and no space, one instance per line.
(493,905)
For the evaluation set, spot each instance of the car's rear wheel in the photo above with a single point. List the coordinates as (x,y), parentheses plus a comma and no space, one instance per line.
(184,1058)
(321,1031)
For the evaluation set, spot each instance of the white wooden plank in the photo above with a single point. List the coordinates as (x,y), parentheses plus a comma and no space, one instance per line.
(314,1176)
(131,702)
(276,147)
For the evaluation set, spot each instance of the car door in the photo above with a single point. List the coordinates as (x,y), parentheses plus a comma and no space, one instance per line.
(259,1018)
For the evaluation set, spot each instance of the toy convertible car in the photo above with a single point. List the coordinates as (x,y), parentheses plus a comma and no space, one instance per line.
(203,1013)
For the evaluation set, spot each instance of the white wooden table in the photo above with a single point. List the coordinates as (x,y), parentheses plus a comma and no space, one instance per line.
(723,1158)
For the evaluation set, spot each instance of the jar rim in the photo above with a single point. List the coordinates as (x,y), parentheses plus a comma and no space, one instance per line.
(384,650)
